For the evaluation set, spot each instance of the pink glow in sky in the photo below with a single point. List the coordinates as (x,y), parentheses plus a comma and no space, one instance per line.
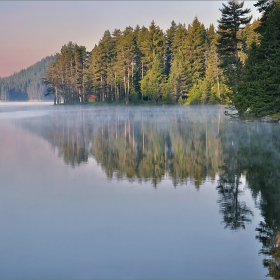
(32,30)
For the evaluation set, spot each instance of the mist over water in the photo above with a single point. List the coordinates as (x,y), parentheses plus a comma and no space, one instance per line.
(137,192)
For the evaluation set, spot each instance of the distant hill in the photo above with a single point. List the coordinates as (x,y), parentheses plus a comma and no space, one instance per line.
(26,84)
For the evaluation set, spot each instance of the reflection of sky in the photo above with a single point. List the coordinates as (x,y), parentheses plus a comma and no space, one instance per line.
(31,30)
(62,222)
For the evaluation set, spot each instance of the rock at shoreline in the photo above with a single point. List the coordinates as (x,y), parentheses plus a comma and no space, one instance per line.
(266,119)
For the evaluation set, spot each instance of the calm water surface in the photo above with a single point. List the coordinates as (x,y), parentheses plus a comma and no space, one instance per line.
(137,193)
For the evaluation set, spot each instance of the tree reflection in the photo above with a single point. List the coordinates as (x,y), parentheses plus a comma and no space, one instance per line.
(141,149)
(270,238)
(140,144)
(235,212)
(184,145)
(260,150)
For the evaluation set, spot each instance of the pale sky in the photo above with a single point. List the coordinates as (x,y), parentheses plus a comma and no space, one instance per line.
(32,30)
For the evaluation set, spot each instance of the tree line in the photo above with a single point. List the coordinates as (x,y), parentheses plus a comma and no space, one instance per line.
(186,64)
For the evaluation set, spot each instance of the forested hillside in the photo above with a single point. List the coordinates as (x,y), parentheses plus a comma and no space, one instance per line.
(26,84)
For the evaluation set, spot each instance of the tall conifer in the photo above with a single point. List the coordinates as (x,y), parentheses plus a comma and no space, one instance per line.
(234,18)
(259,88)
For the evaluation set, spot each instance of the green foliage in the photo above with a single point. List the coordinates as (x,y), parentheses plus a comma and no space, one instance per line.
(199,93)
(202,93)
(248,35)
(233,19)
(67,77)
(169,49)
(259,88)
(179,39)
(134,96)
(167,95)
(194,52)
(193,64)
(151,85)
(177,84)
(180,101)
(213,74)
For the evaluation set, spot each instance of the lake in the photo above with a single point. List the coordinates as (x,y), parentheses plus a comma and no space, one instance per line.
(96,192)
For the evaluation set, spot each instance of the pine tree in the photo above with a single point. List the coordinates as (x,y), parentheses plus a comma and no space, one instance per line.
(179,39)
(151,84)
(143,44)
(213,75)
(129,58)
(67,77)
(248,36)
(210,34)
(116,66)
(169,38)
(156,42)
(101,67)
(234,18)
(194,49)
(177,86)
(259,88)
(52,81)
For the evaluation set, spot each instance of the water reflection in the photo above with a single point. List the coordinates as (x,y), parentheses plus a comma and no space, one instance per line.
(263,177)
(148,145)
(235,212)
(187,145)
(140,145)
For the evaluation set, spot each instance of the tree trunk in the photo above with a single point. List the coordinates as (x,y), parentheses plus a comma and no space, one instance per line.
(55,96)
(124,83)
(128,85)
(219,92)
(83,84)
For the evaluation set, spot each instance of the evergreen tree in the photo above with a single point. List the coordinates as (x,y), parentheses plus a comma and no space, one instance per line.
(194,51)
(210,34)
(177,86)
(213,73)
(259,88)
(67,76)
(210,89)
(248,36)
(116,67)
(152,83)
(234,18)
(219,92)
(143,44)
(101,66)
(127,57)
(157,42)
(179,39)
(169,38)
(106,46)
(265,7)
